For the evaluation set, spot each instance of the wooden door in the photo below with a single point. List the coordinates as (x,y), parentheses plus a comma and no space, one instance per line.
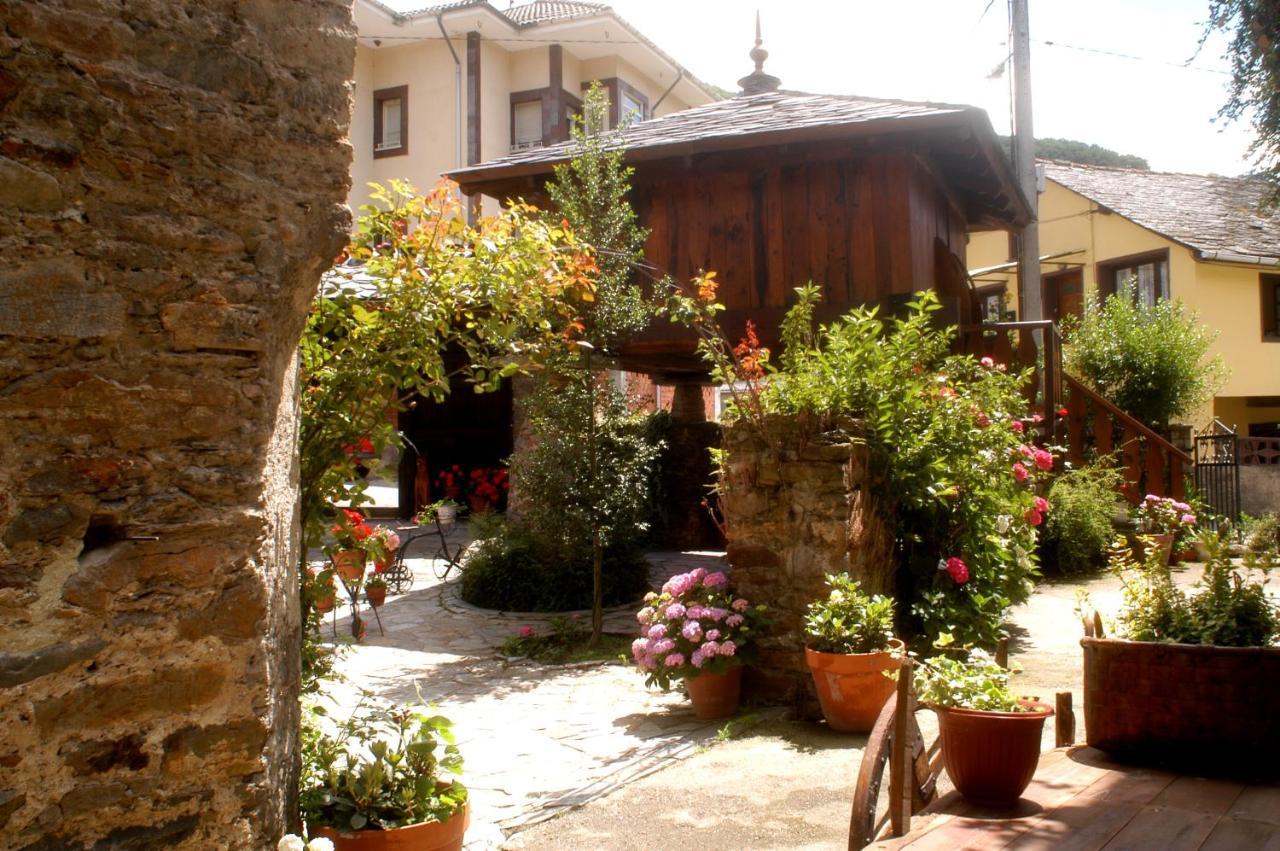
(1063,294)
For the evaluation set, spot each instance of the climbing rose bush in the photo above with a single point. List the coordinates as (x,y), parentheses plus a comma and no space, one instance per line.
(696,625)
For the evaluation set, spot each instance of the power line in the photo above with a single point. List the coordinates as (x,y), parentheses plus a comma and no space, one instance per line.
(1117,55)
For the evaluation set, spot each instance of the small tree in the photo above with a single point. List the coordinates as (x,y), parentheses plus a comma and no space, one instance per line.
(1151,360)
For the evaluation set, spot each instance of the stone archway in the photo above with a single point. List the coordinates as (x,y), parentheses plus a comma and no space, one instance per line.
(172,174)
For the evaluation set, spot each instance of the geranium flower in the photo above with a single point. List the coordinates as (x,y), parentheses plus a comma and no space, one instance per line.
(526,632)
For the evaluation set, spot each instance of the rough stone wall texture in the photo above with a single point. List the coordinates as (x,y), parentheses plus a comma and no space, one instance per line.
(1259,489)
(798,505)
(171,179)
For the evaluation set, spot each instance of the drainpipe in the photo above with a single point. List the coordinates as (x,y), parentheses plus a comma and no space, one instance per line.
(457,93)
(653,110)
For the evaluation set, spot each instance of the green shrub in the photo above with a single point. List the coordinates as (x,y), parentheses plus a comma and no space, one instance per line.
(1079,529)
(849,620)
(511,568)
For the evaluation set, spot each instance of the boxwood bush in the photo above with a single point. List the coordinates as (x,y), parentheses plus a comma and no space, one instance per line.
(1079,530)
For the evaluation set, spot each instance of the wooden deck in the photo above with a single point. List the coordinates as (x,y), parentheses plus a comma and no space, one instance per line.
(1080,801)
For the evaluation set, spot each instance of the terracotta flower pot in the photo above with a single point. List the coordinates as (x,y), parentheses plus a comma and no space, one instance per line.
(1163,543)
(325,605)
(349,564)
(429,836)
(715,695)
(376,594)
(852,687)
(991,756)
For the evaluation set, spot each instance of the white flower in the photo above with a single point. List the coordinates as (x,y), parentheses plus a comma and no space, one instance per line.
(1002,523)
(942,564)
(289,842)
(320,844)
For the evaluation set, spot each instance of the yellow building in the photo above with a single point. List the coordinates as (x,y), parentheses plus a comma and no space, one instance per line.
(460,83)
(1192,237)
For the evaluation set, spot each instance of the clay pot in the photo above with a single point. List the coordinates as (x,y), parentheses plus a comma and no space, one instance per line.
(325,605)
(715,695)
(852,687)
(478,504)
(349,564)
(376,594)
(991,756)
(429,836)
(1188,554)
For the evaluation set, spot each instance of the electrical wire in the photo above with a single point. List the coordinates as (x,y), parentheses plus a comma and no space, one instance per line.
(1100,52)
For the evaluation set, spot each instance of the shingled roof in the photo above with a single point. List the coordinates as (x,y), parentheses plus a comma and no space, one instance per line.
(524,15)
(971,155)
(1217,217)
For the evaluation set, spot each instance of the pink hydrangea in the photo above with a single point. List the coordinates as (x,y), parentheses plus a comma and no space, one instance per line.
(696,612)
(526,631)
(1182,506)
(662,647)
(1042,504)
(728,648)
(1017,426)
(713,635)
(716,614)
(740,605)
(710,649)
(692,631)
(650,597)
(957,570)
(1189,519)
(649,662)
(645,615)
(675,611)
(639,648)
(1044,459)
(1035,518)
(1020,472)
(658,630)
(715,580)
(697,659)
(697,574)
(733,620)
(675,660)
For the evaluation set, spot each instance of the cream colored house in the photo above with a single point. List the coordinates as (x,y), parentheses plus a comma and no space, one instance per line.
(1198,238)
(456,84)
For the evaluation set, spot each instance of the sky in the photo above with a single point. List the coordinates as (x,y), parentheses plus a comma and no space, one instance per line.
(945,50)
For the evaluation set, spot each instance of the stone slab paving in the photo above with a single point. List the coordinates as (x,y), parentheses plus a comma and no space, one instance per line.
(537,740)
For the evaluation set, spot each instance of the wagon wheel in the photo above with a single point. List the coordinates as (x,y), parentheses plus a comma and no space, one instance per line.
(870,816)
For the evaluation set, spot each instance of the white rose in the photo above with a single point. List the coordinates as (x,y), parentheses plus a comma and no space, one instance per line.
(320,844)
(1002,523)
(289,842)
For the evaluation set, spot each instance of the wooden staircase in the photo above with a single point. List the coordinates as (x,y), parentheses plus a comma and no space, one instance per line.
(1087,424)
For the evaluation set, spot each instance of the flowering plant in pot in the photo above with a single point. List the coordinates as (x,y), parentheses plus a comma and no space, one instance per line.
(352,543)
(444,510)
(486,487)
(1165,520)
(990,737)
(849,647)
(389,542)
(449,482)
(374,780)
(695,630)
(375,589)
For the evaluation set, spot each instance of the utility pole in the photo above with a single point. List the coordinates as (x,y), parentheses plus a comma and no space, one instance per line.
(1030,296)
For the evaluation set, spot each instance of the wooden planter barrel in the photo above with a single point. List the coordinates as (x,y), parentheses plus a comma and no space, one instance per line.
(1182,702)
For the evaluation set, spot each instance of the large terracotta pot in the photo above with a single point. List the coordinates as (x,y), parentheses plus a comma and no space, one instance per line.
(991,756)
(1163,543)
(349,564)
(376,594)
(715,695)
(852,687)
(325,604)
(429,836)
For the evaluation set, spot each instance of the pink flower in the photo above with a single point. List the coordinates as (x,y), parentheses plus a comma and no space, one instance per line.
(1028,452)
(1044,459)
(697,659)
(1042,504)
(675,660)
(1189,519)
(692,631)
(697,574)
(1037,418)
(639,648)
(1182,506)
(710,649)
(987,362)
(645,615)
(649,662)
(526,632)
(734,620)
(715,614)
(728,648)
(983,420)
(662,647)
(713,635)
(695,612)
(675,611)
(946,393)
(740,605)
(957,570)
(1017,426)
(715,580)
(658,630)
(1035,518)
(1020,472)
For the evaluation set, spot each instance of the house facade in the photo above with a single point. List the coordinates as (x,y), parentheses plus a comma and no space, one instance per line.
(439,88)
(1201,239)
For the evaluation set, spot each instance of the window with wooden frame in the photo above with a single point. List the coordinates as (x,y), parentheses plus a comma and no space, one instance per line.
(1270,291)
(1146,275)
(391,122)
(991,302)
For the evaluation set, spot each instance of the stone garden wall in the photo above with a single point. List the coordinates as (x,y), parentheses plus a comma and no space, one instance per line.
(171,179)
(1260,489)
(798,505)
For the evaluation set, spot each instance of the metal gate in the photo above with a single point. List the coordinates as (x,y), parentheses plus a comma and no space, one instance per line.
(1218,473)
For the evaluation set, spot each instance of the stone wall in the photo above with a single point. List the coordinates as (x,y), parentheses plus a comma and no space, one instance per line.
(171,173)
(798,505)
(1260,489)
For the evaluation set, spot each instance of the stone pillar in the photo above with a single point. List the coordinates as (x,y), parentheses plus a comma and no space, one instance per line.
(171,180)
(799,506)
(687,404)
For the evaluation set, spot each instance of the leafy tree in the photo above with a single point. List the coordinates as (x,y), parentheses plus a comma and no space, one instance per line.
(1254,51)
(1151,360)
(1084,153)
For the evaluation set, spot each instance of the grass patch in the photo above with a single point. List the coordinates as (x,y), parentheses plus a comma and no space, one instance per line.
(565,641)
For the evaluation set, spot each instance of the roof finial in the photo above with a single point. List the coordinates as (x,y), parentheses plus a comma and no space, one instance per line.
(758,82)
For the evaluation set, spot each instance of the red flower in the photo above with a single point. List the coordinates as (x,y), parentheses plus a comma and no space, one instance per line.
(1042,505)
(1020,472)
(1017,426)
(957,570)
(1035,518)
(1043,459)
(353,516)
(1062,412)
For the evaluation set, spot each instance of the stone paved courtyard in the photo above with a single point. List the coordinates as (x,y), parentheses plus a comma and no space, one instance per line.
(537,739)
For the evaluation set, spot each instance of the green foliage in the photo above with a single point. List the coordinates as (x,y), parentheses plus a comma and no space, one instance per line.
(1150,360)
(1263,537)
(1254,29)
(945,438)
(1227,608)
(1069,150)
(973,683)
(378,769)
(565,640)
(512,569)
(1079,529)
(849,620)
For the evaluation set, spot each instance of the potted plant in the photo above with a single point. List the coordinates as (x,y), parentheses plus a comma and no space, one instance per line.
(383,541)
(319,589)
(990,738)
(449,482)
(849,647)
(695,630)
(375,589)
(1164,519)
(375,781)
(445,511)
(486,487)
(352,543)
(1194,674)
